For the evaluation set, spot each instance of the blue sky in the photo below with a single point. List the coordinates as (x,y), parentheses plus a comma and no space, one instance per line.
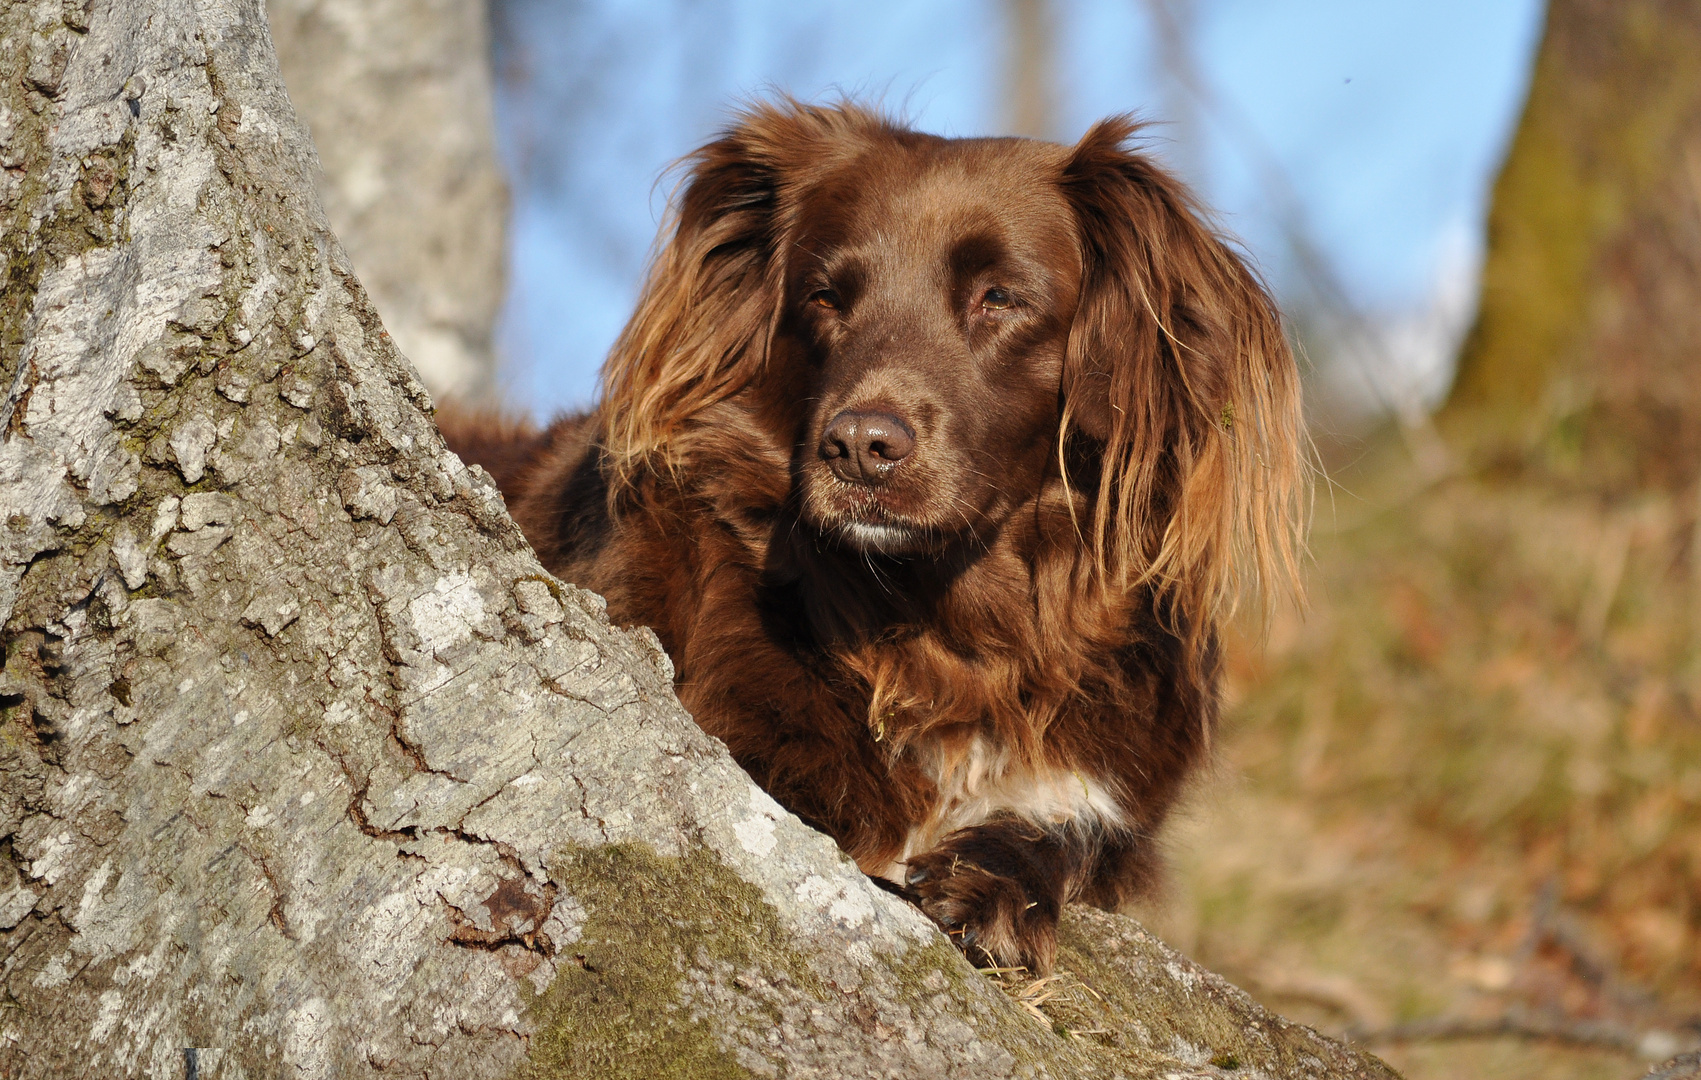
(1373,127)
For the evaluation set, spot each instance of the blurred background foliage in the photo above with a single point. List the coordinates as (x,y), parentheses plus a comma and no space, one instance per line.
(1457,810)
(1460,803)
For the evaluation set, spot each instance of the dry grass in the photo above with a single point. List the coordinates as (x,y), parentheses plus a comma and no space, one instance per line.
(1467,783)
(1061,1002)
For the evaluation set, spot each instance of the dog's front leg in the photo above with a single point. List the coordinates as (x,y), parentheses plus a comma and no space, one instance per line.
(998,888)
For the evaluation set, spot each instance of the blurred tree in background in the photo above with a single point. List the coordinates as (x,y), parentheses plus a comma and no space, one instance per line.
(1030,75)
(397,95)
(1587,348)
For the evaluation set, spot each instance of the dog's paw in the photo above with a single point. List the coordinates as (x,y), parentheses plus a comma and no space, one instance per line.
(993,919)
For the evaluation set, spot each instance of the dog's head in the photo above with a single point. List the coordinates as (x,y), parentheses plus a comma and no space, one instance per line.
(937,331)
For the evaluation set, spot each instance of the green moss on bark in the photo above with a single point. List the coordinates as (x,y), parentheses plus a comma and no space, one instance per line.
(617,1008)
(678,956)
(83,221)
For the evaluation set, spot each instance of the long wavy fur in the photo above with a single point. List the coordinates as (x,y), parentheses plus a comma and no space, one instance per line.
(1000,721)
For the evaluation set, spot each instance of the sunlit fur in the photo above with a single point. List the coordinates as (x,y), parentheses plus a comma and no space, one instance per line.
(989,678)
(1199,409)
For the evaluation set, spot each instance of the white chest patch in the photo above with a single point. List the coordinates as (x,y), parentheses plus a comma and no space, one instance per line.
(983,782)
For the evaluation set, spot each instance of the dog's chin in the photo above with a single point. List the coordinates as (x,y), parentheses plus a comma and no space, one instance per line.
(882,538)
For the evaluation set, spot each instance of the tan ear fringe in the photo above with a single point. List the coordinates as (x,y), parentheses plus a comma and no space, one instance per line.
(1237,530)
(1240,477)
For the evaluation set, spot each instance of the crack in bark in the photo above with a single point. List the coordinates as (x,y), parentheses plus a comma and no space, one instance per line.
(511,907)
(460,825)
(407,834)
(517,916)
(584,808)
(276,915)
(34,665)
(501,673)
(411,751)
(504,850)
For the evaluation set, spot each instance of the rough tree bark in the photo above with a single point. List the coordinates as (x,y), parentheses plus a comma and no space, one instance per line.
(397,97)
(307,764)
(1584,355)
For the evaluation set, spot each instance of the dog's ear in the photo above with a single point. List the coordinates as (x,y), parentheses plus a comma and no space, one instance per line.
(1178,368)
(712,297)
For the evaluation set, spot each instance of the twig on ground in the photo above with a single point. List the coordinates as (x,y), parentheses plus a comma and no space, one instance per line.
(1332,991)
(1682,1067)
(1601,1034)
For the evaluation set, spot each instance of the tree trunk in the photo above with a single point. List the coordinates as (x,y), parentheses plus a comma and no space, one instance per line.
(1586,354)
(397,96)
(1030,69)
(307,768)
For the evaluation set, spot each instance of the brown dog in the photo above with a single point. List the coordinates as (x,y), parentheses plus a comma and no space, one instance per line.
(934,463)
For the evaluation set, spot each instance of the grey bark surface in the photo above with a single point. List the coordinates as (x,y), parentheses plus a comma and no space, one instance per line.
(397,96)
(306,765)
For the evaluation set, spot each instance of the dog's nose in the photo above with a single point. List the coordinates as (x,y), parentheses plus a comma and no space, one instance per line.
(864,447)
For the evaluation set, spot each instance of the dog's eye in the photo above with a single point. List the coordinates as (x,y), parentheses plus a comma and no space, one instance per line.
(826,298)
(996,299)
